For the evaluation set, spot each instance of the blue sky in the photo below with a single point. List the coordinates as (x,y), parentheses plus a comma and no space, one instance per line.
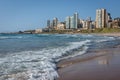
(18,15)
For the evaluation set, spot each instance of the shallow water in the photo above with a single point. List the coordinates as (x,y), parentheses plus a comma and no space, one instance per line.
(34,56)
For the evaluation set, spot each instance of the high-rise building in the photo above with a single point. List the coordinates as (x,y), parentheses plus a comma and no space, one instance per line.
(55,22)
(51,25)
(101,18)
(108,17)
(76,20)
(48,23)
(98,18)
(67,21)
(104,13)
(108,20)
(72,22)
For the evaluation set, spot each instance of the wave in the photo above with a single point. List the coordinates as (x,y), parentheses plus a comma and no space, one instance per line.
(38,65)
(105,39)
(76,35)
(15,36)
(11,37)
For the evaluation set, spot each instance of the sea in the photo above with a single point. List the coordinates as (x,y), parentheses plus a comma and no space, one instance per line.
(34,56)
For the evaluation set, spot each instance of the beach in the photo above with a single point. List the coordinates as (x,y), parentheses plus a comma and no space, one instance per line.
(59,56)
(98,64)
(115,34)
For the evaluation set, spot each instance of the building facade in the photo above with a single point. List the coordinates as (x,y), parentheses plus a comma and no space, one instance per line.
(116,23)
(55,22)
(38,31)
(67,22)
(48,24)
(72,21)
(76,20)
(101,18)
(84,23)
(60,26)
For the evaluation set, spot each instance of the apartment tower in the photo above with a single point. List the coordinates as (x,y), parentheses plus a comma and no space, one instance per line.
(48,24)
(67,21)
(72,21)
(76,20)
(55,22)
(101,18)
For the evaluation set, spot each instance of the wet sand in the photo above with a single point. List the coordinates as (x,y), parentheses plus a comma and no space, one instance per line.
(109,34)
(97,65)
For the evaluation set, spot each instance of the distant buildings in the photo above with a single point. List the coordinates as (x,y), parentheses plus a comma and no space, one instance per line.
(72,21)
(103,20)
(100,18)
(61,26)
(109,20)
(38,31)
(55,22)
(76,20)
(87,24)
(67,22)
(84,24)
(48,23)
(116,23)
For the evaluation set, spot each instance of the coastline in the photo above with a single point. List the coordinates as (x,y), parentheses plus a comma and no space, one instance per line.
(97,65)
(79,43)
(116,34)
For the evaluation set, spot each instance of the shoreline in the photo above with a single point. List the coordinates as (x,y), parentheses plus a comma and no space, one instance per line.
(96,65)
(115,34)
(108,34)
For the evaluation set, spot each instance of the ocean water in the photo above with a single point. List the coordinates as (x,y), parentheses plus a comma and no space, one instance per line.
(34,56)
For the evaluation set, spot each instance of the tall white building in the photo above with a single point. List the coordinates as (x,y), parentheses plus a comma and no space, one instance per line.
(67,21)
(76,20)
(72,22)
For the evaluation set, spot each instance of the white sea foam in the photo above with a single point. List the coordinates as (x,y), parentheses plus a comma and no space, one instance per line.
(11,37)
(86,35)
(68,35)
(105,39)
(3,37)
(38,65)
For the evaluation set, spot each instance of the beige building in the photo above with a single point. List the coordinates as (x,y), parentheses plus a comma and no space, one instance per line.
(85,24)
(38,31)
(101,18)
(116,24)
(60,26)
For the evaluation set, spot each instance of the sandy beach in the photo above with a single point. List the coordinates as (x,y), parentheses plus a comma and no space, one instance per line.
(96,65)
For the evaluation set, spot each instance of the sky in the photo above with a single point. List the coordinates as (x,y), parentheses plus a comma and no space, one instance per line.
(16,15)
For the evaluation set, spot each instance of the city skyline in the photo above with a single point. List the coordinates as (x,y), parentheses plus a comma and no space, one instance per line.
(29,14)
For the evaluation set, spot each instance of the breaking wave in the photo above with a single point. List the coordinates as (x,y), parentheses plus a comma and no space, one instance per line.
(38,65)
(17,37)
